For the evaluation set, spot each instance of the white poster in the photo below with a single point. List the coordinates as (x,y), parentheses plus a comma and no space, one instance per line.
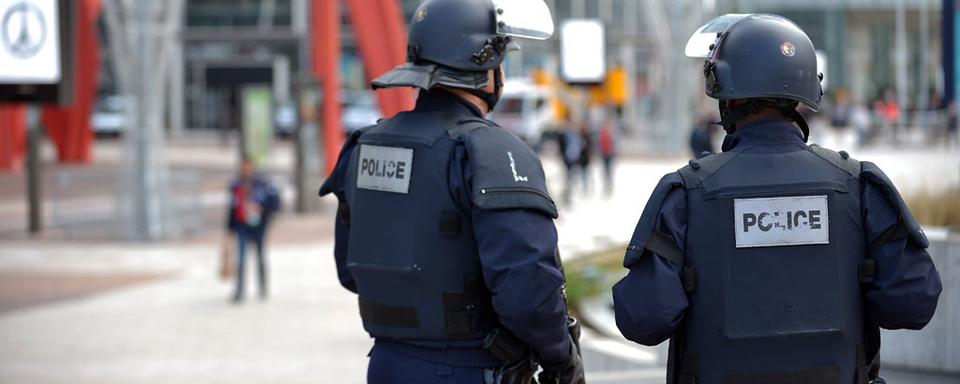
(583,54)
(29,42)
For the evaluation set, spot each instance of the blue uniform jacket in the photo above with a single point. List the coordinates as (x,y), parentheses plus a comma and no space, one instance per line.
(650,301)
(517,250)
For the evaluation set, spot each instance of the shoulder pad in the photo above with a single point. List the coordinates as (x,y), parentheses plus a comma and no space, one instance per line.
(506,172)
(334,181)
(701,169)
(840,159)
(645,227)
(872,174)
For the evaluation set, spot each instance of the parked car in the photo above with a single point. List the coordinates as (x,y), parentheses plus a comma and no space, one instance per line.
(360,110)
(109,118)
(285,119)
(525,110)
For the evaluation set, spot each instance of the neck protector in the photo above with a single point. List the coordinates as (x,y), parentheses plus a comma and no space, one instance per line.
(730,115)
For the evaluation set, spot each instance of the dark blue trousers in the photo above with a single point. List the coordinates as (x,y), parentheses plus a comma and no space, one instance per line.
(244,235)
(390,367)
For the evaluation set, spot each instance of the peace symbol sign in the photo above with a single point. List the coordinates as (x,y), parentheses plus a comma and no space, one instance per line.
(23,30)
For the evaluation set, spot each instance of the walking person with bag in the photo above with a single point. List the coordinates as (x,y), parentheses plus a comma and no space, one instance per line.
(253,201)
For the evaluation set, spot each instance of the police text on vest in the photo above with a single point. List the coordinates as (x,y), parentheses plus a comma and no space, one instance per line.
(781,221)
(385,169)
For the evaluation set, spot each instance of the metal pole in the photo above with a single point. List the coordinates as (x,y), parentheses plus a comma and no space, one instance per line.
(923,89)
(177,84)
(34,177)
(302,146)
(579,10)
(948,36)
(901,60)
(628,56)
(606,11)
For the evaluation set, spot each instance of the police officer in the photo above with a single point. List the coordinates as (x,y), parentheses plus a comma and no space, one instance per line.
(773,261)
(445,227)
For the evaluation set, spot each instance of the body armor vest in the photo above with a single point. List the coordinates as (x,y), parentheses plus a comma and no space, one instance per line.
(411,246)
(775,242)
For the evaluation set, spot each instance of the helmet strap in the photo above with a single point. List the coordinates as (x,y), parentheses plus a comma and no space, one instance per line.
(729,116)
(802,123)
(490,98)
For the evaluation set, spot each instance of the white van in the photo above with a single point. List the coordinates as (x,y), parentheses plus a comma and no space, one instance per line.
(525,110)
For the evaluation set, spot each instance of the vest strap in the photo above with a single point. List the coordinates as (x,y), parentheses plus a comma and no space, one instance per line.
(389,316)
(456,316)
(868,271)
(466,313)
(344,214)
(689,279)
(450,225)
(822,375)
(689,369)
(868,267)
(898,231)
(864,368)
(662,244)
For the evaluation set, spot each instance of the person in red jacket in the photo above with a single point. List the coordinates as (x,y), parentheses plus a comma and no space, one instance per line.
(253,201)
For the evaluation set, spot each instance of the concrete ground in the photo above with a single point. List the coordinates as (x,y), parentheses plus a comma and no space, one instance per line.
(75,310)
(182,329)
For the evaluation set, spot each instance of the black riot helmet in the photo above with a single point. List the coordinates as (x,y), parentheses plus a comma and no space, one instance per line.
(764,59)
(455,42)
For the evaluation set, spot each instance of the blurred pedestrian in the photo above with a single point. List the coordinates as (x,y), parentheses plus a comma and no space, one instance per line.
(840,116)
(861,120)
(701,138)
(774,261)
(608,152)
(586,157)
(571,149)
(445,226)
(888,111)
(253,201)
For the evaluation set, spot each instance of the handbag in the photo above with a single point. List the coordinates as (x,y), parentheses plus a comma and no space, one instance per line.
(226,257)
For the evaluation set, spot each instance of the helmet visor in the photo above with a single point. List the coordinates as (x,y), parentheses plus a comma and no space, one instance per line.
(699,44)
(530,19)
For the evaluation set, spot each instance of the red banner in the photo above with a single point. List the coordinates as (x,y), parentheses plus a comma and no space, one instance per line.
(69,126)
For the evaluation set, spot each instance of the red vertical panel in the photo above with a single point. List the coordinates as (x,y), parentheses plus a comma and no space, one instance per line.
(395,35)
(381,35)
(13,121)
(69,126)
(326,66)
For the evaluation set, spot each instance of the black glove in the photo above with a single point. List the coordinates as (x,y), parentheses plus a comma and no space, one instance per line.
(520,372)
(519,365)
(570,372)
